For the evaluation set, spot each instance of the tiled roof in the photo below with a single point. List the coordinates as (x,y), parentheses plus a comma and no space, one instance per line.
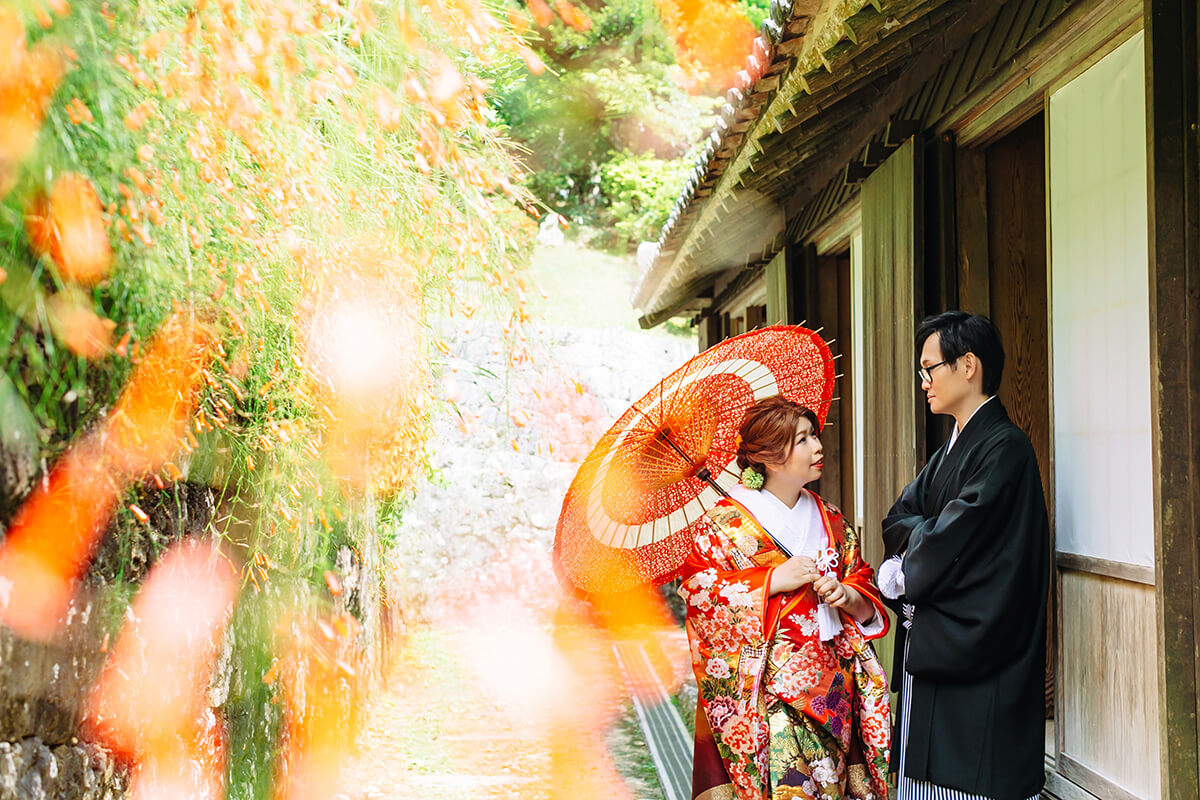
(828,81)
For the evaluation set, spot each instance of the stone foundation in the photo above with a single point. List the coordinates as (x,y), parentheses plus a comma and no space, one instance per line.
(29,770)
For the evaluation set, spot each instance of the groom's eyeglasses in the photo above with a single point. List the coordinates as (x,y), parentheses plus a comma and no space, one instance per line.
(924,372)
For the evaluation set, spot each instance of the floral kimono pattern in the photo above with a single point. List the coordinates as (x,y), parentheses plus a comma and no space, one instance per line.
(785,714)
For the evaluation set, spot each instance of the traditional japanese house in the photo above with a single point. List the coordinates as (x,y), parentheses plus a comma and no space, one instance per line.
(1034,160)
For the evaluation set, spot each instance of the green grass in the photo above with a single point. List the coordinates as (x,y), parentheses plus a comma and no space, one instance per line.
(586,288)
(631,754)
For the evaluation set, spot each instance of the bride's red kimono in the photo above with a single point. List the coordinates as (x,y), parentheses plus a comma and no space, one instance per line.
(785,715)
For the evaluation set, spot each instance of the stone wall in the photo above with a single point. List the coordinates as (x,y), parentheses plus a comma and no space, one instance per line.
(42,688)
(505,453)
(31,770)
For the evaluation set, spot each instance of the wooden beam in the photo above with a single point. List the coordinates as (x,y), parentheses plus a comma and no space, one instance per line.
(680,300)
(709,330)
(1134,573)
(875,154)
(919,27)
(899,131)
(993,107)
(971,18)
(785,155)
(1173,161)
(1077,772)
(856,172)
(789,46)
(866,68)
(742,281)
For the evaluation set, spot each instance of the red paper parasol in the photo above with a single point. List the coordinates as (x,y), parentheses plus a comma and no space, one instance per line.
(639,498)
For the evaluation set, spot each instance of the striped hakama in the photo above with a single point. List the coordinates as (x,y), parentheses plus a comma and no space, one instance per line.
(907,788)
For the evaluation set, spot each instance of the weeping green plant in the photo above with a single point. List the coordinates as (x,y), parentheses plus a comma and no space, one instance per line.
(248,157)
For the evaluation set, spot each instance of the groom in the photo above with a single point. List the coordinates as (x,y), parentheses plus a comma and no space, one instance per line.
(968,560)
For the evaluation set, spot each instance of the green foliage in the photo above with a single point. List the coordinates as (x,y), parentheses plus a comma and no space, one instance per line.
(230,237)
(629,29)
(639,192)
(281,152)
(608,116)
(681,327)
(756,10)
(252,710)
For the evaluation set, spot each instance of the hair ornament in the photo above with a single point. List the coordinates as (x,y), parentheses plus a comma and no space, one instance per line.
(752,479)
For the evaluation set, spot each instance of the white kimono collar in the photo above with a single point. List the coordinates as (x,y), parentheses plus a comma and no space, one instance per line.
(794,529)
(789,525)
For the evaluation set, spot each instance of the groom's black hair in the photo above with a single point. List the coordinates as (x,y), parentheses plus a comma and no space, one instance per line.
(960,333)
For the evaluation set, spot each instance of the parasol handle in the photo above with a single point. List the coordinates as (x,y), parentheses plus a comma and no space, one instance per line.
(703,474)
(707,477)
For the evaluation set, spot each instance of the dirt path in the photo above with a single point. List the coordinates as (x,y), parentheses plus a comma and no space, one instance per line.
(430,733)
(438,731)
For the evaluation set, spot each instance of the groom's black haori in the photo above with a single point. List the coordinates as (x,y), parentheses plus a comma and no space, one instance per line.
(975,540)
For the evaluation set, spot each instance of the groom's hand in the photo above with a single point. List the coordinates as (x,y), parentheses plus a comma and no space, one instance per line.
(796,572)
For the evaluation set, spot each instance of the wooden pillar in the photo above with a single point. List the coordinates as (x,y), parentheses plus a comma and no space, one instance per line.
(941,228)
(804,285)
(710,331)
(893,417)
(827,318)
(1173,161)
(940,267)
(778,280)
(844,347)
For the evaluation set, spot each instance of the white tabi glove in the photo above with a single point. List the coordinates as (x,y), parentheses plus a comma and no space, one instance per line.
(891,578)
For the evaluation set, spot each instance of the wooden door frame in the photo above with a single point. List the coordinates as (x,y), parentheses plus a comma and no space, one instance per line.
(1173,163)
(846,368)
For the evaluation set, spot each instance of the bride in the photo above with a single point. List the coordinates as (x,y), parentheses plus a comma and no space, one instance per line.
(781,609)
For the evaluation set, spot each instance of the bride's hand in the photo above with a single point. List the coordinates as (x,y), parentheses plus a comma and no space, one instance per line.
(831,592)
(844,598)
(796,572)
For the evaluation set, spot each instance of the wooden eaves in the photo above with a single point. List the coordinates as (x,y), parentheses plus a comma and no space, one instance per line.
(848,81)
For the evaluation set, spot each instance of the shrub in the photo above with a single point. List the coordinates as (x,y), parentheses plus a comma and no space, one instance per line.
(640,192)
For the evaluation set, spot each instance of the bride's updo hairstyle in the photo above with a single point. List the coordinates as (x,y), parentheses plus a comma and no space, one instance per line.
(768,432)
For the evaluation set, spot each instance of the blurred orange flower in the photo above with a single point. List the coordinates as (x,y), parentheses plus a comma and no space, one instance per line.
(51,539)
(712,40)
(149,704)
(151,414)
(75,324)
(28,79)
(542,15)
(68,225)
(319,675)
(573,16)
(12,43)
(55,531)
